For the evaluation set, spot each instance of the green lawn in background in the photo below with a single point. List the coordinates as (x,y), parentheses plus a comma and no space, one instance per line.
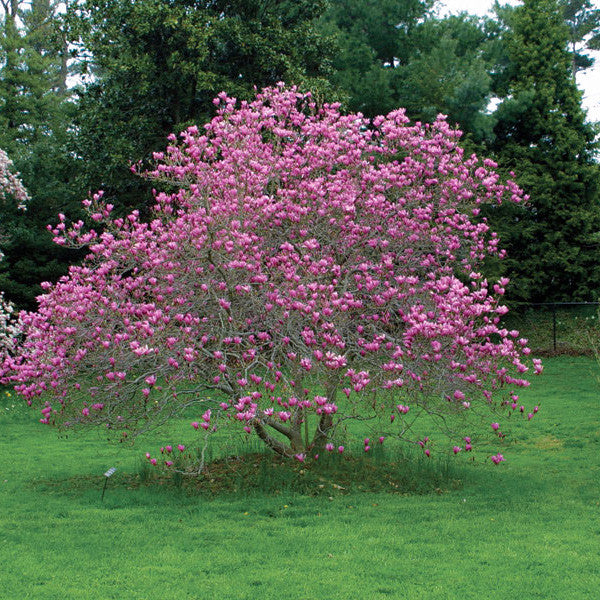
(528,528)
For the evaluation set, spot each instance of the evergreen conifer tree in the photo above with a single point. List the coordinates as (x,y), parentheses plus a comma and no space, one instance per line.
(35,116)
(542,134)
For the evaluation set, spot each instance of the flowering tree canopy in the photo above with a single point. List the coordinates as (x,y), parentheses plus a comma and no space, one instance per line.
(11,188)
(310,267)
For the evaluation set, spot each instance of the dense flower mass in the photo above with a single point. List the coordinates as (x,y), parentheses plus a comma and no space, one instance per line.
(11,188)
(10,326)
(10,184)
(310,267)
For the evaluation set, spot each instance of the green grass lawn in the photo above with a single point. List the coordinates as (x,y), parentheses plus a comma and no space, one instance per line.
(529,528)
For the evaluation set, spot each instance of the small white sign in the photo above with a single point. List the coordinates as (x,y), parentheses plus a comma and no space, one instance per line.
(110,472)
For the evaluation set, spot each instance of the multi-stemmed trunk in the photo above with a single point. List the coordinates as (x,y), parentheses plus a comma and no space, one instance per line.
(297,444)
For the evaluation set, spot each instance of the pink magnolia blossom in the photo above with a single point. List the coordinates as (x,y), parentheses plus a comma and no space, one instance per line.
(10,186)
(10,183)
(301,246)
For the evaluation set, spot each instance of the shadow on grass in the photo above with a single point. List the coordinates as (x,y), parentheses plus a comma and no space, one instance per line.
(263,473)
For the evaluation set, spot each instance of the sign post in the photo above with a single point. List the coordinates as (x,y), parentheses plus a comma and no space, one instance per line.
(107,475)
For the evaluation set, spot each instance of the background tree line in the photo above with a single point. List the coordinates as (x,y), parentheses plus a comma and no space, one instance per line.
(86,88)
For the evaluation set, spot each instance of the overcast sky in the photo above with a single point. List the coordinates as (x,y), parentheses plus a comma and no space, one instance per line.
(588,81)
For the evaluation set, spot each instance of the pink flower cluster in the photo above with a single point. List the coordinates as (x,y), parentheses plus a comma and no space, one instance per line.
(305,253)
(10,326)
(497,459)
(10,186)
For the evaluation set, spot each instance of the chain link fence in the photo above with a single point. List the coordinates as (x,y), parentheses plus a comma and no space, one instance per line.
(557,328)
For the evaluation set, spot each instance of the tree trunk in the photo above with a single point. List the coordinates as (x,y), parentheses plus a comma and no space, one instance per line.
(325,422)
(293,432)
(64,67)
(322,433)
(270,441)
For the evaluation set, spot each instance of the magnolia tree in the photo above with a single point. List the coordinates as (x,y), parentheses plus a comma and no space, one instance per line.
(306,268)
(11,188)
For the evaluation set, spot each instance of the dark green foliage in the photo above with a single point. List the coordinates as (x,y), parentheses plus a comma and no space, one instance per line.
(449,74)
(541,134)
(157,66)
(35,115)
(396,54)
(32,77)
(152,67)
(374,37)
(583,21)
(30,255)
(384,26)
